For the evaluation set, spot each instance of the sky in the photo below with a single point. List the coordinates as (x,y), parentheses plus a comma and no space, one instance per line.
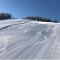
(23,8)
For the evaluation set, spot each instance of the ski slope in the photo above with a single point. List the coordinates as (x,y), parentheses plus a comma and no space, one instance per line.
(28,39)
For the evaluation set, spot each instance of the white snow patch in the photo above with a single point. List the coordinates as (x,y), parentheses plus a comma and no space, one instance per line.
(29,40)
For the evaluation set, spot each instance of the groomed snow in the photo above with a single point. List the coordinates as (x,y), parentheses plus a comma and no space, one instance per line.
(28,39)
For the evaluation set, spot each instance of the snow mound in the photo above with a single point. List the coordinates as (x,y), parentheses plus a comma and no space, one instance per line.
(25,39)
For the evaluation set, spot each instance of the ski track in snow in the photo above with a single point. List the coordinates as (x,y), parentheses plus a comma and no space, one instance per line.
(25,39)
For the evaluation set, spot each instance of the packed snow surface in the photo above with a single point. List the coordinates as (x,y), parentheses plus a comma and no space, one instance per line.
(28,39)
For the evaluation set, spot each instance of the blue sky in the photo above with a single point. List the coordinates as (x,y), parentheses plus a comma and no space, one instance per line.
(22,8)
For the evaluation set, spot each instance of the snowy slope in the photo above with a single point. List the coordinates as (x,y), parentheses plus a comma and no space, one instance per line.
(25,39)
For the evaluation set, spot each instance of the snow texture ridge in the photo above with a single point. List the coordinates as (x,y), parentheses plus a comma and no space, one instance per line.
(25,39)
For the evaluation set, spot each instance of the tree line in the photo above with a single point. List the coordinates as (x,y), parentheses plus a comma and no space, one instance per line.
(4,16)
(37,18)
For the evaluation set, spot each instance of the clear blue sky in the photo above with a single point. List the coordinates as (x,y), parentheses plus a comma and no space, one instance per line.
(22,8)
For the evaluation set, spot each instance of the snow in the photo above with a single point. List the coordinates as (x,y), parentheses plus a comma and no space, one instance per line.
(25,39)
